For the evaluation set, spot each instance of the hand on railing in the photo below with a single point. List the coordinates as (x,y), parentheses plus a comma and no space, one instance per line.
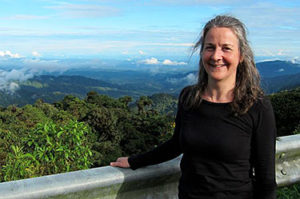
(121,162)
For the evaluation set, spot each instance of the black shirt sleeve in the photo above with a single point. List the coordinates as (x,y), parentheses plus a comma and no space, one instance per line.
(164,152)
(263,148)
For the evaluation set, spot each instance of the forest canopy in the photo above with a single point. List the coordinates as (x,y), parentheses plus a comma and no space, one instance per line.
(72,134)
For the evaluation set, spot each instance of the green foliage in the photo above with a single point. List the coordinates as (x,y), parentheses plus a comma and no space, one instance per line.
(291,192)
(287,112)
(35,84)
(7,139)
(105,101)
(19,165)
(164,103)
(73,105)
(297,130)
(103,122)
(53,113)
(49,149)
(105,152)
(143,132)
(74,134)
(142,103)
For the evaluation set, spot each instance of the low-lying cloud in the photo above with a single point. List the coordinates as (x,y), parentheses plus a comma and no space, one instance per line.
(15,69)
(36,54)
(189,79)
(9,80)
(155,61)
(151,61)
(9,54)
(169,62)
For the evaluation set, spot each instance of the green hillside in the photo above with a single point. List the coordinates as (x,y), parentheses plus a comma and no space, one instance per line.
(72,133)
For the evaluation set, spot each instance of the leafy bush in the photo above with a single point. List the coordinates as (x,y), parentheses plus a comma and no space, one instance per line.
(49,149)
(286,109)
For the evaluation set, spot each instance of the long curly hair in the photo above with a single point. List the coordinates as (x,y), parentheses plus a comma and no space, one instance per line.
(247,86)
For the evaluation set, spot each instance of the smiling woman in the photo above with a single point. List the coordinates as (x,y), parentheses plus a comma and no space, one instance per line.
(221,55)
(225,127)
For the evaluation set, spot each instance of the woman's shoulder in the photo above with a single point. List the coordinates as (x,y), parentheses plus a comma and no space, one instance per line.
(262,104)
(186,91)
(188,88)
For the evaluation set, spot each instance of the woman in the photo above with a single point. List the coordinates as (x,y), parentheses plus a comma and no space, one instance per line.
(225,128)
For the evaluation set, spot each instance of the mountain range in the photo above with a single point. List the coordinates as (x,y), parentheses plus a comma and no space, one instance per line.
(276,76)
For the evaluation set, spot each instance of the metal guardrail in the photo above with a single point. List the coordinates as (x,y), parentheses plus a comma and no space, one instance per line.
(288,160)
(158,181)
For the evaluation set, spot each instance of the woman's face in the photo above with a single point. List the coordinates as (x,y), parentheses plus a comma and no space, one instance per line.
(221,54)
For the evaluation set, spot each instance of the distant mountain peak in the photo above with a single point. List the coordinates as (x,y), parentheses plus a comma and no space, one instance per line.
(277,68)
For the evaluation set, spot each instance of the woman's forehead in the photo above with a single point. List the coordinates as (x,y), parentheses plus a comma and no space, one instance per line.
(221,35)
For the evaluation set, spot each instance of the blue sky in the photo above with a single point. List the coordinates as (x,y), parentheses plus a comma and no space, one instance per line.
(139,29)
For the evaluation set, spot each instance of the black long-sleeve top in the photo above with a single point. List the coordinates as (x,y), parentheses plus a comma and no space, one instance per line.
(221,152)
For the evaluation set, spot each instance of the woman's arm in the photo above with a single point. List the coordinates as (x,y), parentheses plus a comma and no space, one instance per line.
(263,148)
(166,151)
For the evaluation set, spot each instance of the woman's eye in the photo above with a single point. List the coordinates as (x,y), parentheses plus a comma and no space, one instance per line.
(209,48)
(227,49)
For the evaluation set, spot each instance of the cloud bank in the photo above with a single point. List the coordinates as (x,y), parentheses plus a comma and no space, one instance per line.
(9,79)
(189,79)
(9,54)
(155,61)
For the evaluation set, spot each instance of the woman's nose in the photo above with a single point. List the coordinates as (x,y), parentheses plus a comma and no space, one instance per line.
(217,54)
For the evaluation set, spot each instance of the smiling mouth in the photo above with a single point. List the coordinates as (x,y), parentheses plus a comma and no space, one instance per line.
(217,65)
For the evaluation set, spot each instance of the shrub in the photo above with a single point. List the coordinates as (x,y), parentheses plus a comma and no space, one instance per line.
(49,149)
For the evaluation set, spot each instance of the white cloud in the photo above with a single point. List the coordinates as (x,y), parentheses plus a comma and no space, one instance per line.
(281,70)
(9,54)
(189,79)
(169,62)
(13,86)
(155,61)
(36,54)
(151,61)
(15,75)
(28,68)
(295,60)
(9,79)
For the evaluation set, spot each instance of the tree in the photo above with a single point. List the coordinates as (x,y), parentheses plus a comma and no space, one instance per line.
(142,102)
(286,109)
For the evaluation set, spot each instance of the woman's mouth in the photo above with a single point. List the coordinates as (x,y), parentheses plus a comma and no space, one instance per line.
(217,65)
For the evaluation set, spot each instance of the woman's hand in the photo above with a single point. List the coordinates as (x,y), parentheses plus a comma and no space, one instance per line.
(121,162)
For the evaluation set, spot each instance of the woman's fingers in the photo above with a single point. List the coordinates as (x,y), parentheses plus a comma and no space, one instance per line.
(121,162)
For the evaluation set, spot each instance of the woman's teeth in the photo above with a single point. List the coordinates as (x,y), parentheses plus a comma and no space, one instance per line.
(217,66)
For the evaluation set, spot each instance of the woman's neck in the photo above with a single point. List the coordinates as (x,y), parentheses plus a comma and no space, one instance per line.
(218,92)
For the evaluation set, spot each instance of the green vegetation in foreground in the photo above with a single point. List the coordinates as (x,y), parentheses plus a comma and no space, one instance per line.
(291,192)
(286,105)
(73,133)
